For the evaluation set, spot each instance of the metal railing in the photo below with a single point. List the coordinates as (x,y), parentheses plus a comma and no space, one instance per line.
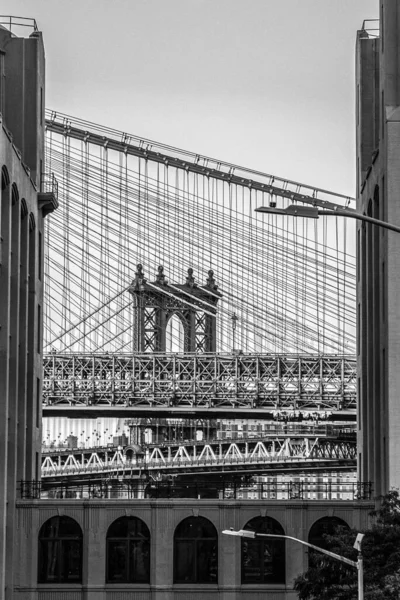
(200,489)
(49,184)
(13,22)
(371,27)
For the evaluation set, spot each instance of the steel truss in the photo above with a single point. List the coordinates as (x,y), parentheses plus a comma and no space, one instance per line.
(197,384)
(256,455)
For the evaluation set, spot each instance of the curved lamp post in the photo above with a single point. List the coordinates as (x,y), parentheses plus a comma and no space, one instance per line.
(313,212)
(357,545)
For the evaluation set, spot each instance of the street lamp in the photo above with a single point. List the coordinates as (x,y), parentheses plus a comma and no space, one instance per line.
(313,212)
(357,545)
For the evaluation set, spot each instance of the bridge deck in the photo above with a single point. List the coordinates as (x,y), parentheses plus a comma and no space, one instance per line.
(197,384)
(250,454)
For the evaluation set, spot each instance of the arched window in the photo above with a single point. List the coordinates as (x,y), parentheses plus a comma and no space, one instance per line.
(322,527)
(263,559)
(128,551)
(5,178)
(195,551)
(60,551)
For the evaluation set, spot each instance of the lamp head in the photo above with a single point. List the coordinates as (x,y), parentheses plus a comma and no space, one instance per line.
(295,210)
(357,543)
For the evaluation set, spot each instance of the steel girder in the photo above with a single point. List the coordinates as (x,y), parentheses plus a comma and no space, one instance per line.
(255,455)
(196,383)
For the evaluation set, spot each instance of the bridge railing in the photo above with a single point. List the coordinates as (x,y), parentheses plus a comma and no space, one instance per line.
(221,490)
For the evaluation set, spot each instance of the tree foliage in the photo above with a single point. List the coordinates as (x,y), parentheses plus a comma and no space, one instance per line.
(330,579)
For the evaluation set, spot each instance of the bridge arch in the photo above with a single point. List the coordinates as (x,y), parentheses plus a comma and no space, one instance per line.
(175,333)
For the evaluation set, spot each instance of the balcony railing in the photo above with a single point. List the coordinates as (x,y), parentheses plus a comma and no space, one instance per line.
(206,489)
(49,184)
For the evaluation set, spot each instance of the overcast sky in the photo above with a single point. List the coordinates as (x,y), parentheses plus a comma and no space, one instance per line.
(267,84)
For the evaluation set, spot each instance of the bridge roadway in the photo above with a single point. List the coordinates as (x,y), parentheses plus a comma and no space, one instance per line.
(209,385)
(321,449)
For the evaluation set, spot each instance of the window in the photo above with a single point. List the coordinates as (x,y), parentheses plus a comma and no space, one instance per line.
(39,328)
(60,551)
(263,559)
(128,551)
(195,551)
(322,527)
(40,256)
(38,402)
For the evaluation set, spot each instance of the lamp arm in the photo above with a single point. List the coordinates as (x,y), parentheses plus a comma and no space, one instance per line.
(360,217)
(331,554)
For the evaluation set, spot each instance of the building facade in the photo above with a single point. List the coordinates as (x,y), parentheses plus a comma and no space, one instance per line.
(378,250)
(168,549)
(24,203)
(159,549)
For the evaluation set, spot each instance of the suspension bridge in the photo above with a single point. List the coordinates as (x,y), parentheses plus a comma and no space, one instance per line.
(167,295)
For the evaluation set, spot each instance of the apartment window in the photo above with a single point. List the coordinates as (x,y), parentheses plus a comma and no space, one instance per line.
(38,402)
(321,528)
(60,551)
(40,256)
(195,551)
(263,559)
(128,551)
(41,106)
(39,328)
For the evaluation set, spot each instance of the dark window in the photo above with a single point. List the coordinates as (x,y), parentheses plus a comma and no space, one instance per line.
(37,402)
(60,551)
(321,528)
(40,256)
(39,328)
(128,551)
(263,559)
(195,551)
(41,106)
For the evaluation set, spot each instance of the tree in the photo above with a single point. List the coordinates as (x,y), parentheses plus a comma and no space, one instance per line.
(330,579)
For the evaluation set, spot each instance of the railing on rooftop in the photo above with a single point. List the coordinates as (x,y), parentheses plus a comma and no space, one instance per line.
(200,489)
(13,23)
(371,27)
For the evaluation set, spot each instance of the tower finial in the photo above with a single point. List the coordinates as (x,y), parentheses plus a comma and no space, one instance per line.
(190,279)
(160,276)
(211,281)
(139,280)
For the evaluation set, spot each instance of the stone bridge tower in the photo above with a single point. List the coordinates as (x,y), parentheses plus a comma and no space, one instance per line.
(157,302)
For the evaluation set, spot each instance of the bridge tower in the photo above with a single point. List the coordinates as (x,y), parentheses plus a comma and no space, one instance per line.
(157,302)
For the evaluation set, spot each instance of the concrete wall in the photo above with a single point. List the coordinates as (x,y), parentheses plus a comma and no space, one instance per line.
(24,93)
(21,284)
(378,251)
(162,517)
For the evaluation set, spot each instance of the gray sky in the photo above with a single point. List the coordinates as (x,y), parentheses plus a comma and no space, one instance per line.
(267,84)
